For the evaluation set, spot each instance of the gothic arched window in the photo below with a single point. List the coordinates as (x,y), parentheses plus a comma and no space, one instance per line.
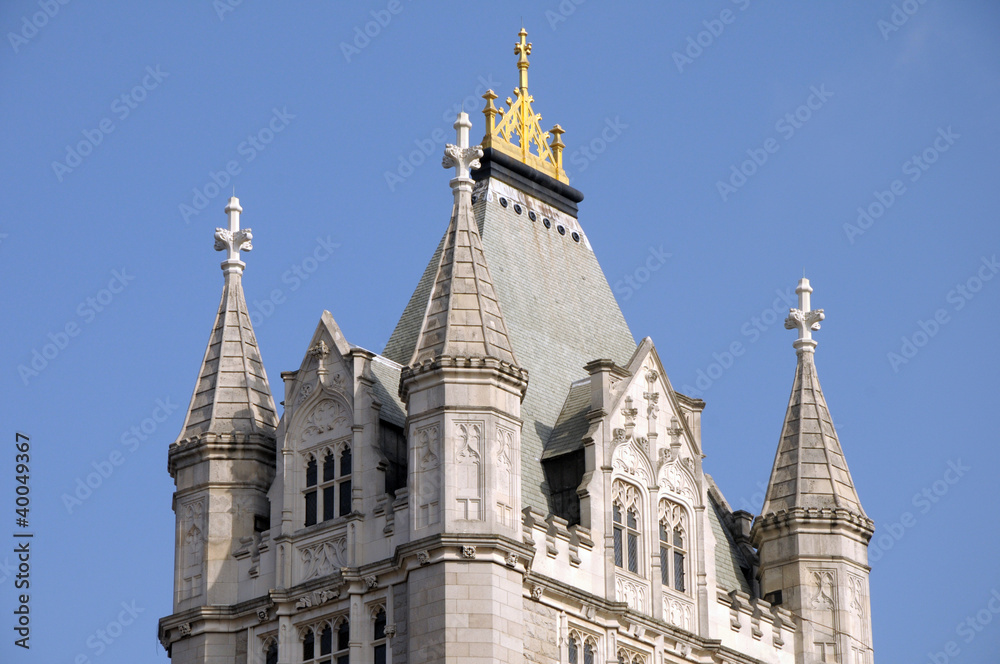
(333,484)
(378,637)
(323,652)
(626,518)
(578,641)
(673,546)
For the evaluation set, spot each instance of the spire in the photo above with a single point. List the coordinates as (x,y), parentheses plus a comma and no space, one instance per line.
(519,129)
(463,316)
(232,395)
(810,470)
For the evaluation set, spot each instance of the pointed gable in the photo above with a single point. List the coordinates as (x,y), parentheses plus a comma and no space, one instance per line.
(232,394)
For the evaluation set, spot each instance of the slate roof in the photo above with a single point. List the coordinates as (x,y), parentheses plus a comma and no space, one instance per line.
(572,423)
(232,393)
(387,390)
(559,311)
(809,467)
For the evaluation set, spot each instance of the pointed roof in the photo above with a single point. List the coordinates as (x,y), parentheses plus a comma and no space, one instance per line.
(810,470)
(232,395)
(463,317)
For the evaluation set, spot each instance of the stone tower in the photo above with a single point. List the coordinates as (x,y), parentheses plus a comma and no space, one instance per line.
(812,535)
(463,390)
(222,462)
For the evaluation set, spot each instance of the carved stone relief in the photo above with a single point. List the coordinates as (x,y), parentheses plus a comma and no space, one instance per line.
(323,558)
(469,469)
(506,453)
(428,482)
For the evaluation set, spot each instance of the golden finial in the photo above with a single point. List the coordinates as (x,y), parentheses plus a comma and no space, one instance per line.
(518,128)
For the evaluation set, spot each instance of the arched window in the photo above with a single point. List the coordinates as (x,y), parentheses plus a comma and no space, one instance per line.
(271,652)
(673,546)
(334,485)
(378,637)
(323,652)
(578,641)
(625,514)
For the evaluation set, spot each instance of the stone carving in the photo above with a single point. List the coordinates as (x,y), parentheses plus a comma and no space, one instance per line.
(193,536)
(632,593)
(319,350)
(505,477)
(390,630)
(323,558)
(329,415)
(825,590)
(677,612)
(536,592)
(629,413)
(184,629)
(469,469)
(423,557)
(465,158)
(625,495)
(511,559)
(674,480)
(469,552)
(304,393)
(626,459)
(233,241)
(317,598)
(371,582)
(262,615)
(428,488)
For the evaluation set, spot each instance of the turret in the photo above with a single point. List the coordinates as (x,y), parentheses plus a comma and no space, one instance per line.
(222,463)
(812,535)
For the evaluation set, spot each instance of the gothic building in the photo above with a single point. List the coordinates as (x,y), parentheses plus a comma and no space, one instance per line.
(512,479)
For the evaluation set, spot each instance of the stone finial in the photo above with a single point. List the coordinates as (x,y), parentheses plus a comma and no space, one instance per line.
(462,157)
(234,239)
(804,318)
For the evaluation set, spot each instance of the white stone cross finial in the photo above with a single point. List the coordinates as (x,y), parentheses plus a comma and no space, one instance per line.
(805,318)
(234,239)
(461,156)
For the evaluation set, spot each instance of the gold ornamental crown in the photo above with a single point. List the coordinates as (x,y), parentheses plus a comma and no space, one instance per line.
(518,128)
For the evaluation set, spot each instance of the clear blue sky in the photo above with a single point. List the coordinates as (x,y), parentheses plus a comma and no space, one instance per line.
(833,105)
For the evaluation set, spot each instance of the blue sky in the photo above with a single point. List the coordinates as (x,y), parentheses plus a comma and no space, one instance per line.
(747,140)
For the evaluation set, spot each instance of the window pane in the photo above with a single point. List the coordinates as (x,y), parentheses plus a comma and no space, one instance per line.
(311,472)
(308,647)
(272,654)
(345,462)
(380,654)
(344,659)
(345,497)
(617,512)
(588,653)
(618,547)
(328,469)
(631,519)
(326,641)
(380,625)
(633,553)
(328,496)
(678,571)
(664,569)
(343,636)
(678,538)
(572,651)
(310,508)
(663,532)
